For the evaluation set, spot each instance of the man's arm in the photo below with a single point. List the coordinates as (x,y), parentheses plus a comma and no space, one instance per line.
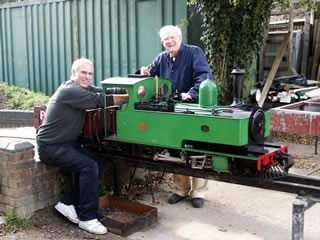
(117,96)
(120,99)
(201,71)
(95,89)
(145,70)
(152,69)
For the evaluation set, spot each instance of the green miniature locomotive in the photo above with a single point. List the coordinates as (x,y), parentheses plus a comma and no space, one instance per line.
(159,126)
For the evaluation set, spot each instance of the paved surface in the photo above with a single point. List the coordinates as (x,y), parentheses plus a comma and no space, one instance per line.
(230,212)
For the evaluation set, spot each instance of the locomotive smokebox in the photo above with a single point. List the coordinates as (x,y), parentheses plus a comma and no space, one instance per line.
(238,77)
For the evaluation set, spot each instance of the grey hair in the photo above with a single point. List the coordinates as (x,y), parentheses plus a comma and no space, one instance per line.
(77,63)
(168,28)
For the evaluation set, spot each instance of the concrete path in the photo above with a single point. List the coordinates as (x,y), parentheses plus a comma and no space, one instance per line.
(231,212)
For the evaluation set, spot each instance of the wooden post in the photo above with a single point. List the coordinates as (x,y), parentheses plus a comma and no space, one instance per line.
(290,43)
(274,69)
(305,49)
(316,56)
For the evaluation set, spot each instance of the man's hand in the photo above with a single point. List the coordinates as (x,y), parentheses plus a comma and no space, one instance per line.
(119,99)
(145,70)
(185,96)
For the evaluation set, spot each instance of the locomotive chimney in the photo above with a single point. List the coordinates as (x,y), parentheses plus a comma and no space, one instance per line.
(237,93)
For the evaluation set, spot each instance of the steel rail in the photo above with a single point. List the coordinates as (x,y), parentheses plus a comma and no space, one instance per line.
(296,184)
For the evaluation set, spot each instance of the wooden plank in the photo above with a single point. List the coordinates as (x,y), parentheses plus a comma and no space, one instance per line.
(273,54)
(318,76)
(285,22)
(305,49)
(282,32)
(262,62)
(280,69)
(315,33)
(274,69)
(316,56)
(290,43)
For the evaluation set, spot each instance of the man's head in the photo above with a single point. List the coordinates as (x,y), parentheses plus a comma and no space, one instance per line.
(81,72)
(171,39)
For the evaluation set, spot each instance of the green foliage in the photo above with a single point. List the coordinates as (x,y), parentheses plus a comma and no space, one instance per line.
(13,222)
(233,35)
(105,190)
(21,98)
(139,180)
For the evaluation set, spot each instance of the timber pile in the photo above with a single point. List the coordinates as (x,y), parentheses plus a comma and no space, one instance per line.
(302,57)
(291,49)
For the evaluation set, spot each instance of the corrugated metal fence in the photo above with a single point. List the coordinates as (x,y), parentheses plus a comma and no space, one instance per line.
(40,39)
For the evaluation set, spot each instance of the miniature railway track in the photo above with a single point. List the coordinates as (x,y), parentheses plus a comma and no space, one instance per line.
(296,184)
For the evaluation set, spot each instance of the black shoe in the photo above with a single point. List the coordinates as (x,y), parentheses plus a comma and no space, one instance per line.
(175,198)
(197,202)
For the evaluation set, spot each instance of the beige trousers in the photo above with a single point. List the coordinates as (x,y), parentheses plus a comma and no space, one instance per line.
(185,185)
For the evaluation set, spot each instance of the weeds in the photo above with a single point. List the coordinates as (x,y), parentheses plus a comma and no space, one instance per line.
(13,222)
(105,190)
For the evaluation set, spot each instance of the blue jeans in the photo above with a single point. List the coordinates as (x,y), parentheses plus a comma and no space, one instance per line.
(88,168)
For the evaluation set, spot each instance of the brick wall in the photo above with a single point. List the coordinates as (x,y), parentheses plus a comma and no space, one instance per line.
(16,118)
(26,185)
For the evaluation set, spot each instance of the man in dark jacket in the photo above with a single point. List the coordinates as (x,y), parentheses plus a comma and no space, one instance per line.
(57,143)
(187,67)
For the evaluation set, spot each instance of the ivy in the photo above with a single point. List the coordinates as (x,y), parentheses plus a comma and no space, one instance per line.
(233,35)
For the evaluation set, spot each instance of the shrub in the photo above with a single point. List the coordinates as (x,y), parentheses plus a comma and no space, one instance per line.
(21,98)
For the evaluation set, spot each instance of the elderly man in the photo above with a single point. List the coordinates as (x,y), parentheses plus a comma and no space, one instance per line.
(187,67)
(57,143)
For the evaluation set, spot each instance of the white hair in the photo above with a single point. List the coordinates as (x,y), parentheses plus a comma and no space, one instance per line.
(77,63)
(169,28)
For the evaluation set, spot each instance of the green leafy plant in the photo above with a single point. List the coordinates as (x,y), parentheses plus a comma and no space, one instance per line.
(105,190)
(13,222)
(139,180)
(21,98)
(233,35)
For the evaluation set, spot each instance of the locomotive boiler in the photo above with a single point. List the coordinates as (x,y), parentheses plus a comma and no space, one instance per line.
(155,124)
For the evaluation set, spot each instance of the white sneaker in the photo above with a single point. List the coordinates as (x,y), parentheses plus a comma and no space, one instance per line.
(68,211)
(93,226)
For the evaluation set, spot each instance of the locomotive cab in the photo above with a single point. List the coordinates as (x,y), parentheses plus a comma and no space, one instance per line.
(144,94)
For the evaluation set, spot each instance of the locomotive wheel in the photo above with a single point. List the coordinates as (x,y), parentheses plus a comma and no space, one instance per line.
(257,125)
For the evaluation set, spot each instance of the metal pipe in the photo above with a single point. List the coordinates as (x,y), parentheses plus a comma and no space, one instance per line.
(157,88)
